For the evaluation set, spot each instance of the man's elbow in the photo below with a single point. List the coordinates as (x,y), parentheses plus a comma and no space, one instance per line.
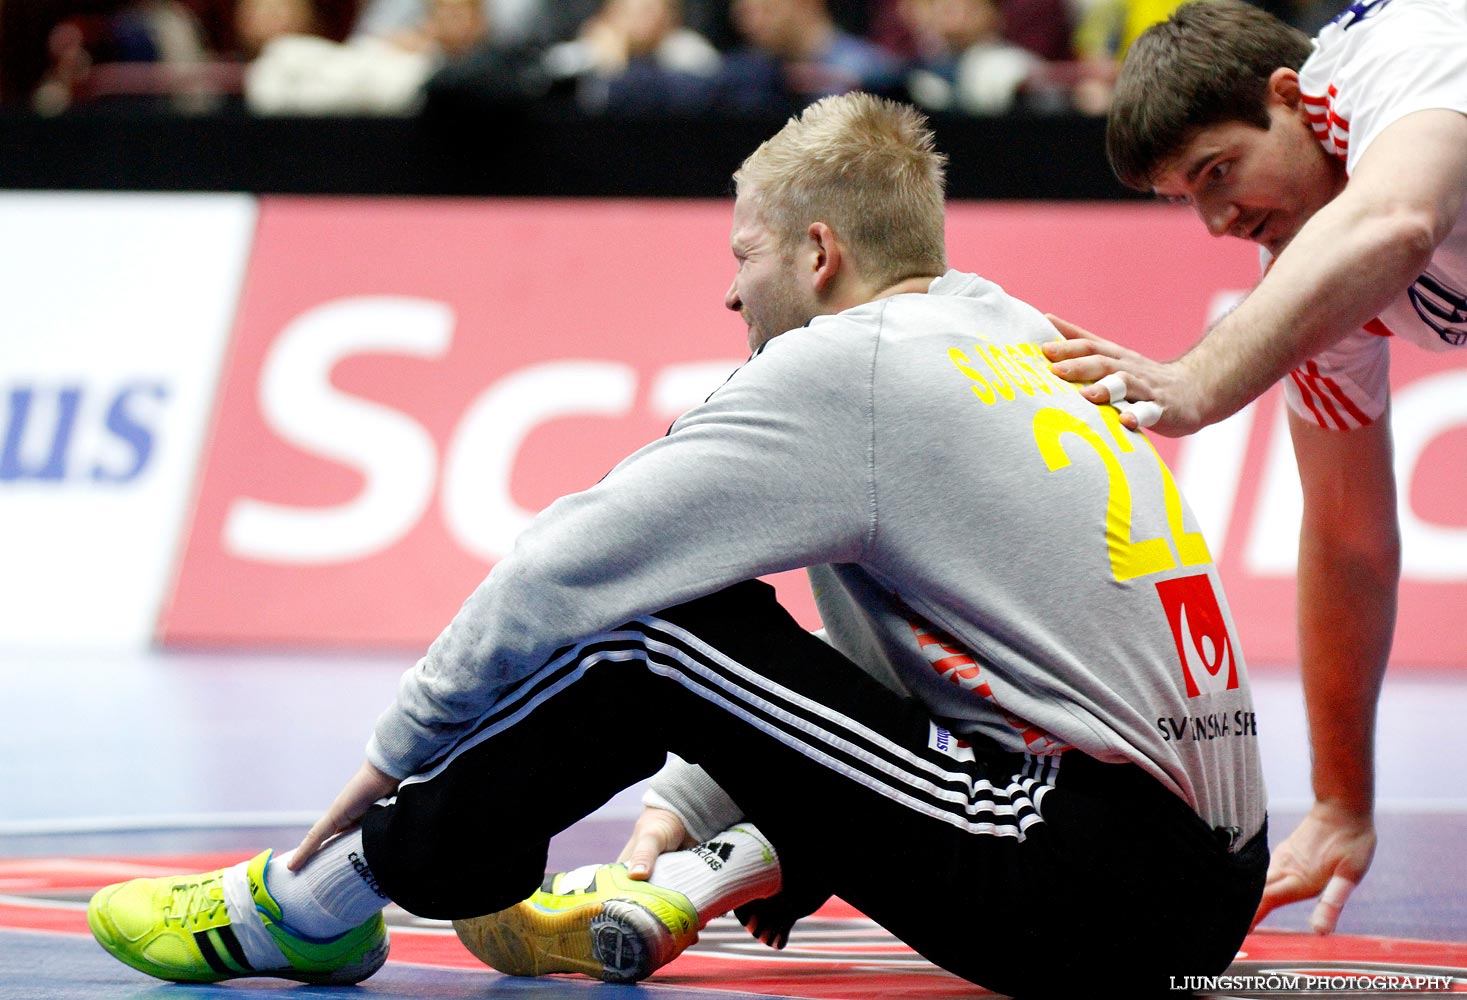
(1411,234)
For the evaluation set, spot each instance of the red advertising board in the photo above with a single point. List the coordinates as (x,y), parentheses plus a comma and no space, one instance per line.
(411,380)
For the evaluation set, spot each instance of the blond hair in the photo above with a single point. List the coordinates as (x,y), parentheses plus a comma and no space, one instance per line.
(869,169)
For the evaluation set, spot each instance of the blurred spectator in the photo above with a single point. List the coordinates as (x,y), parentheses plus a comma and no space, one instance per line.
(1102,38)
(1044,27)
(137,33)
(162,31)
(304,74)
(258,22)
(68,64)
(627,30)
(450,29)
(516,22)
(891,28)
(1108,27)
(968,66)
(640,57)
(634,54)
(795,53)
(220,20)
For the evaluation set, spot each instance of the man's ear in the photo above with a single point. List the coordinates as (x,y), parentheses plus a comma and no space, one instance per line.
(1283,87)
(828,256)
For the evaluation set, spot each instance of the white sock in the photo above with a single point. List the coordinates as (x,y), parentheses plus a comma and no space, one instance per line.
(736,867)
(333,893)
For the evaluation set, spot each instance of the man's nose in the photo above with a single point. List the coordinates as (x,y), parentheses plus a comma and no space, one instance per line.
(1219,216)
(731,299)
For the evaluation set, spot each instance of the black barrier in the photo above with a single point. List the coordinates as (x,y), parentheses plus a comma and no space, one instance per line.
(520,152)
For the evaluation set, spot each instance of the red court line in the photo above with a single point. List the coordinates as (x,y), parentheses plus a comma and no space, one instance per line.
(842,953)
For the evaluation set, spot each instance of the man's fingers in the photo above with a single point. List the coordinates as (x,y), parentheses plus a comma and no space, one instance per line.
(1281,889)
(1077,342)
(1066,329)
(1114,387)
(1142,413)
(1088,368)
(308,846)
(656,832)
(774,937)
(1146,412)
(641,854)
(1327,911)
(1066,350)
(1266,905)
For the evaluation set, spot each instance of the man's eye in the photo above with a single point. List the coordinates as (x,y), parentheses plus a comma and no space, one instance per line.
(1219,170)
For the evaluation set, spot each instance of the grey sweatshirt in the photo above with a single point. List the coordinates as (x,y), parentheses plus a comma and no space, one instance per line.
(977,534)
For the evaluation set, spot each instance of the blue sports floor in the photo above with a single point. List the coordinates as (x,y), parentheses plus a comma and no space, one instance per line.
(113,765)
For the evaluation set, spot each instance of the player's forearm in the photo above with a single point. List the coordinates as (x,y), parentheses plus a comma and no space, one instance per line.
(1349,568)
(1347,604)
(1341,270)
(1344,645)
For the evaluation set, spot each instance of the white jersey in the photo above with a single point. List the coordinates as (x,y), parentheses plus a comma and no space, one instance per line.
(1376,63)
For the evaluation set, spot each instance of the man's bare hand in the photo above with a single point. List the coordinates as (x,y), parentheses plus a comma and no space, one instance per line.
(656,832)
(365,787)
(1157,394)
(1326,856)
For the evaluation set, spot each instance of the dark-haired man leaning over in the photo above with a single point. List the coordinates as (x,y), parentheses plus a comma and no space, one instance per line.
(1345,160)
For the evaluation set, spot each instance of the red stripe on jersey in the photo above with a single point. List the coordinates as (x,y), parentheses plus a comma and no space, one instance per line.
(1346,402)
(1332,413)
(1330,128)
(1317,380)
(1378,328)
(1307,395)
(1314,386)
(1325,414)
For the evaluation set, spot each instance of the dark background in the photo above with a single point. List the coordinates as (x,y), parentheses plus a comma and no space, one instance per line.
(513,151)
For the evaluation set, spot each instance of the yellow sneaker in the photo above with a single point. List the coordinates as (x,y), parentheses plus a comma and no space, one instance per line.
(597,920)
(224,925)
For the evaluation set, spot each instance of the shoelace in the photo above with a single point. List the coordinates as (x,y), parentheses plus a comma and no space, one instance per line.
(193,902)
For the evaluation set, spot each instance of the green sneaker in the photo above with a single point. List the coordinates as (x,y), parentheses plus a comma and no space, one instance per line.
(597,920)
(224,925)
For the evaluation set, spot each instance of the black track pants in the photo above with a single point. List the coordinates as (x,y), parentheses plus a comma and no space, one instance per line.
(1024,874)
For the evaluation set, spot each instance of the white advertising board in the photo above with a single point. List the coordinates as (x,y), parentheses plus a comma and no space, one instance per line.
(115,311)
